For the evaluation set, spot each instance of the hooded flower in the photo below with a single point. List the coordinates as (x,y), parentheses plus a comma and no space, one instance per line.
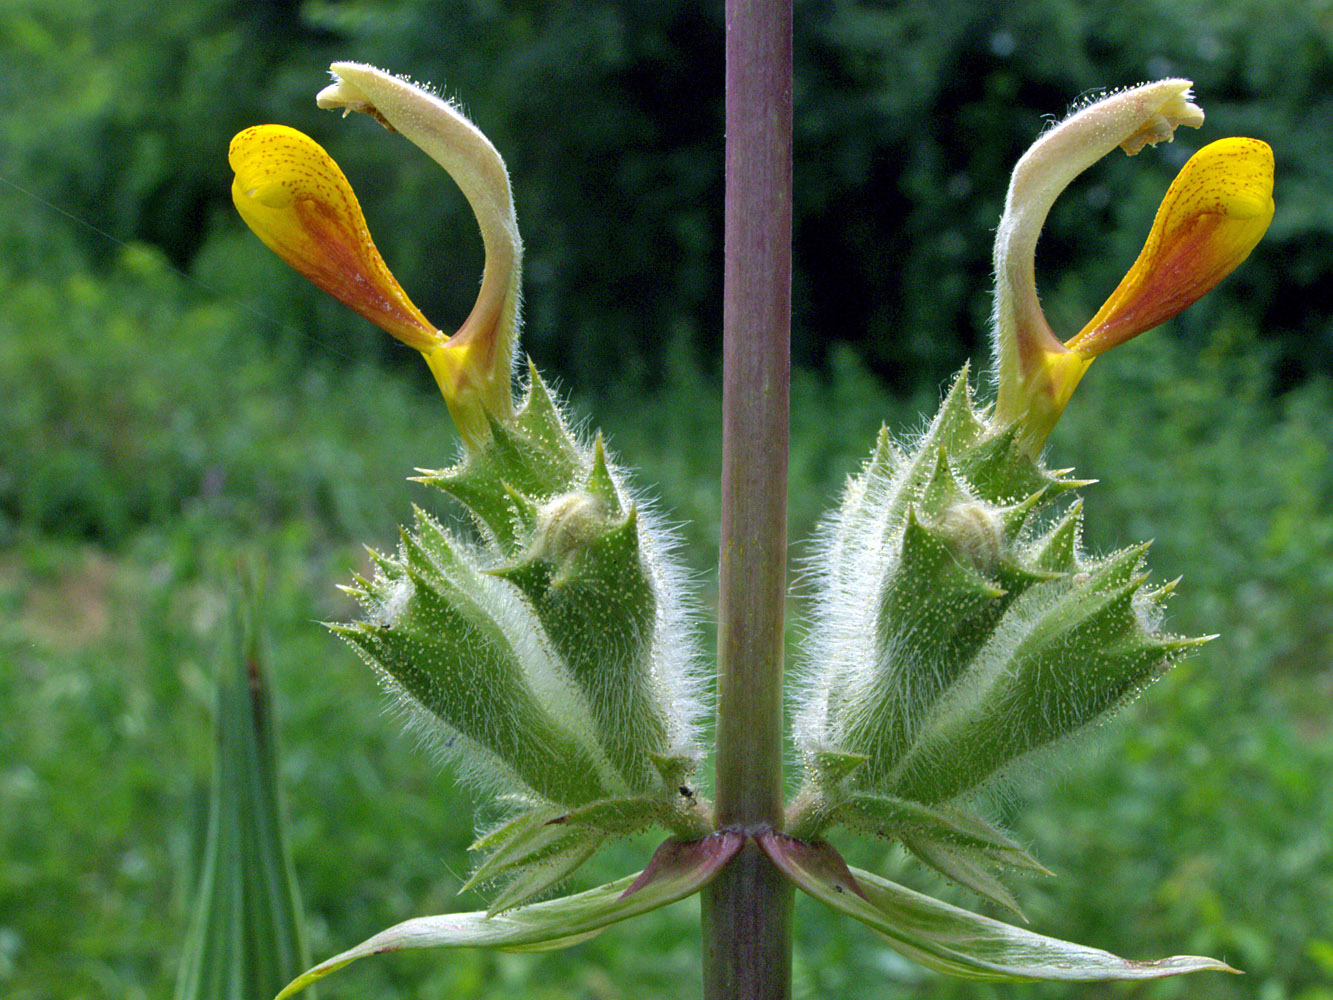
(1212,216)
(292,194)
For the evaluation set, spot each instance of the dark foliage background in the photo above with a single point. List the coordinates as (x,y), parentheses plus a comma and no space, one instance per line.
(173,398)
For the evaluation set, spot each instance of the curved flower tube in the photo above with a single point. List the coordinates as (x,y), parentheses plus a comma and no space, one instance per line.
(1212,216)
(292,194)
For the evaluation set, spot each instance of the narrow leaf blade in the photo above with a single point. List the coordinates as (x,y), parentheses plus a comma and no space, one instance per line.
(952,940)
(676,871)
(965,867)
(246,933)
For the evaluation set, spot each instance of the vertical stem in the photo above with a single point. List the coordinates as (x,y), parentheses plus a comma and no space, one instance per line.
(747,910)
(756,325)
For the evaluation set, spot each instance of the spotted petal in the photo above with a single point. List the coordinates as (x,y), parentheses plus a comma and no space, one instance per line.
(297,200)
(1213,215)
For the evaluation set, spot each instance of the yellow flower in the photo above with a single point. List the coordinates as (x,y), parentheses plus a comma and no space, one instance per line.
(292,194)
(1212,216)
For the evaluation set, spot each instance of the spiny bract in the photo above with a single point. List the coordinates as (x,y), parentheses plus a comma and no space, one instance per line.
(957,629)
(554,655)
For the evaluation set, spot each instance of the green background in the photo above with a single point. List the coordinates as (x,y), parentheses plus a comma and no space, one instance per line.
(175,401)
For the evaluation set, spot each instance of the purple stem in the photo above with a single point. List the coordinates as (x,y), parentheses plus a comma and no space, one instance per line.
(747,910)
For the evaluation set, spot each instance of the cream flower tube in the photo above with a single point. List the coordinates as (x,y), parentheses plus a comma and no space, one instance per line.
(1035,371)
(474,367)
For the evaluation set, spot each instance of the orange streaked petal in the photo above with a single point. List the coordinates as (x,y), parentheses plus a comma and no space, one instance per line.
(296,199)
(1213,215)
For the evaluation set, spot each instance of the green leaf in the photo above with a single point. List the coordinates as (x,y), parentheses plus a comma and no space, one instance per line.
(596,597)
(618,816)
(537,875)
(958,845)
(952,940)
(933,611)
(601,483)
(513,827)
(957,424)
(965,866)
(245,937)
(457,644)
(677,870)
(532,844)
(1058,550)
(888,816)
(534,457)
(1069,651)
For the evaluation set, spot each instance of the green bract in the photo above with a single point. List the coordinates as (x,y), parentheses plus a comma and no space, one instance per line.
(550,656)
(958,627)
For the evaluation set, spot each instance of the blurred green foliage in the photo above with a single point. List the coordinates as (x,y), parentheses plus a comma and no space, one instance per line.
(173,398)
(247,929)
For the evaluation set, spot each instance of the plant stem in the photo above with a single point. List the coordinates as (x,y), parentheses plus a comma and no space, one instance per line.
(747,910)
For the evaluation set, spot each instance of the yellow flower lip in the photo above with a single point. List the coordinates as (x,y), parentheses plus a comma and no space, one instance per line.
(299,203)
(1212,216)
